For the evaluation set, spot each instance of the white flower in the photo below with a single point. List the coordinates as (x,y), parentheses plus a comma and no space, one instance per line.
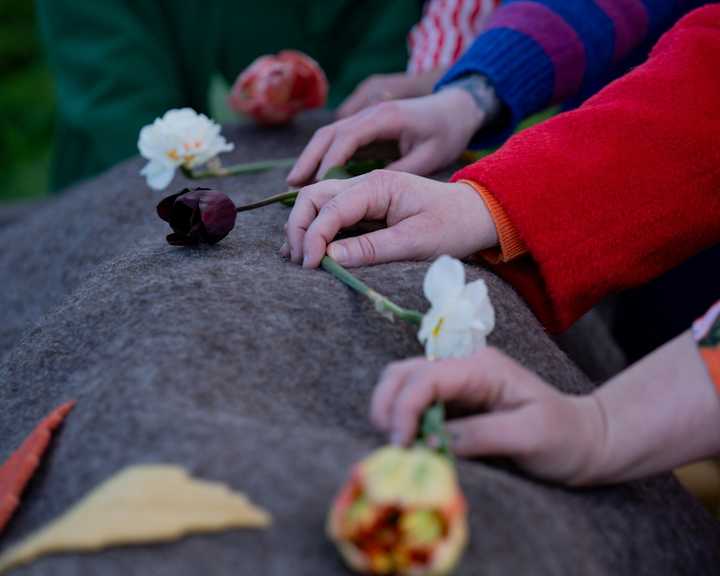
(180,138)
(460,316)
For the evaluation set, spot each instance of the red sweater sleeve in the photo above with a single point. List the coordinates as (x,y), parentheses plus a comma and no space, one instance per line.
(627,186)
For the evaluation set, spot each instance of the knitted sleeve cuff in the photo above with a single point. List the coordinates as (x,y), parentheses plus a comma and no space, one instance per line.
(517,68)
(509,240)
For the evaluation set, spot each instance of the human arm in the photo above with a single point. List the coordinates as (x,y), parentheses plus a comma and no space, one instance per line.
(432,132)
(445,31)
(530,55)
(541,52)
(613,194)
(661,413)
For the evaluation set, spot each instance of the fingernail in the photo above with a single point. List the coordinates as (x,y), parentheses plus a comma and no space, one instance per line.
(284,249)
(338,252)
(306,259)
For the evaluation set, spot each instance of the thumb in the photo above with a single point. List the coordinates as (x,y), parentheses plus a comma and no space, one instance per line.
(421,160)
(386,245)
(510,434)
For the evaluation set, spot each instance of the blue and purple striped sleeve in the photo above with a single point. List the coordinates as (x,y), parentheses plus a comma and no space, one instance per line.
(539,53)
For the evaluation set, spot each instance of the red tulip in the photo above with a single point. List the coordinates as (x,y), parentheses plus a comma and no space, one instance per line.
(275,88)
(197,216)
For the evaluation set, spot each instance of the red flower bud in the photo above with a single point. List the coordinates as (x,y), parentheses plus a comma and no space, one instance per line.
(275,88)
(197,216)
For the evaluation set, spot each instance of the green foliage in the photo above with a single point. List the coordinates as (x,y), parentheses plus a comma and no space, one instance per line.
(26,104)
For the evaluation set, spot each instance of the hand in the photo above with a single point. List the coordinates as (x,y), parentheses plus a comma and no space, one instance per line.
(425,219)
(432,131)
(547,433)
(381,87)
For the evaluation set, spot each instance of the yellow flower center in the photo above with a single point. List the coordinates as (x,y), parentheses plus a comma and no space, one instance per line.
(173,155)
(438,327)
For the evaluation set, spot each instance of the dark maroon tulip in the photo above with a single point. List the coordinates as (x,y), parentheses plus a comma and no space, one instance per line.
(197,216)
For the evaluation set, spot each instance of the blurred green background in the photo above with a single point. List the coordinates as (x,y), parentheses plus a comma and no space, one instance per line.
(26,105)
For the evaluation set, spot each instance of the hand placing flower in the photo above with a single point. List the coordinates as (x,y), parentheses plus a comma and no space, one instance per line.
(401,512)
(197,216)
(275,88)
(181,138)
(461,315)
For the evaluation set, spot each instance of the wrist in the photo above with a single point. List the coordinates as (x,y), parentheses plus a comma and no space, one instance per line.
(461,107)
(482,94)
(481,229)
(592,447)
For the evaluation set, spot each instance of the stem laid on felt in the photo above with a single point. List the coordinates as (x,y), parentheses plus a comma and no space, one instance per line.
(433,433)
(245,168)
(284,197)
(382,304)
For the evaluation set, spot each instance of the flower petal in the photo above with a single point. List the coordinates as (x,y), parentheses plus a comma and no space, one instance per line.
(444,280)
(483,315)
(158,175)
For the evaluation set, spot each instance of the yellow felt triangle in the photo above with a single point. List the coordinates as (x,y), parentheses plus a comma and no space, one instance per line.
(140,504)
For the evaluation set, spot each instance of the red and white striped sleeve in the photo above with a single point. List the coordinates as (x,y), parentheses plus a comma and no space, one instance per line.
(446,30)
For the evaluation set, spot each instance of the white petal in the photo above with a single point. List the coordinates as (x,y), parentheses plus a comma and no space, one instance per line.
(444,280)
(450,344)
(429,321)
(158,175)
(483,315)
(446,330)
(191,138)
(477,293)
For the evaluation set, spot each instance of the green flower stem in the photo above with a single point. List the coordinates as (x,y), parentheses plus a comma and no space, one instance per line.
(382,304)
(284,197)
(246,168)
(433,433)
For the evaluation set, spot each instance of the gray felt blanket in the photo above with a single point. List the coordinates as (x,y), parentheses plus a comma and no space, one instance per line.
(250,370)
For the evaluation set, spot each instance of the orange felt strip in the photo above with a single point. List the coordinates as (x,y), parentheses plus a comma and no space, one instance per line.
(17,470)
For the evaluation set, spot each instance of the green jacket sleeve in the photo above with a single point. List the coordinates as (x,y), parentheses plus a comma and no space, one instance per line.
(119,64)
(115,71)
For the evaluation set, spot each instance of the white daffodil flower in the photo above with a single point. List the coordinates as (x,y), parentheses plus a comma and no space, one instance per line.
(180,138)
(460,316)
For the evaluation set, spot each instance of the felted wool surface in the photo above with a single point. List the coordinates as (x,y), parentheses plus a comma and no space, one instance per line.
(246,369)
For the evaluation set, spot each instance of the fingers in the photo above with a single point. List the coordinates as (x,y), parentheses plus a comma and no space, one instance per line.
(308,204)
(307,162)
(367,198)
(449,380)
(510,434)
(488,380)
(334,145)
(366,94)
(423,159)
(386,245)
(374,89)
(407,389)
(391,381)
(378,122)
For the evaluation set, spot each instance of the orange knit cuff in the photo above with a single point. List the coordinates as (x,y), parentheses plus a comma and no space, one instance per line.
(511,245)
